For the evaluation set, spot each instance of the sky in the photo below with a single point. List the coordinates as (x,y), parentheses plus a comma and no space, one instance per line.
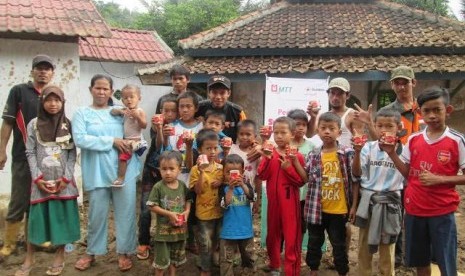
(137,6)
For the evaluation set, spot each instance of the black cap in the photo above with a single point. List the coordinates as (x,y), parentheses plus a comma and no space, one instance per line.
(42,59)
(219,79)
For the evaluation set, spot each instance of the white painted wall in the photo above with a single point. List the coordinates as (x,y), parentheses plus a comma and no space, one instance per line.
(15,66)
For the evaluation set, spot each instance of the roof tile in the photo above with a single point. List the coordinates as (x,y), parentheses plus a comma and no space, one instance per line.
(52,17)
(302,64)
(378,24)
(126,46)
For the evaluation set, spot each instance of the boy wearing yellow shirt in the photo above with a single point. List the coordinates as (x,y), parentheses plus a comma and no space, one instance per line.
(205,181)
(332,195)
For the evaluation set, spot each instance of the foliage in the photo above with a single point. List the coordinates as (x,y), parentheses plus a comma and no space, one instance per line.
(116,16)
(462,11)
(178,19)
(192,16)
(439,7)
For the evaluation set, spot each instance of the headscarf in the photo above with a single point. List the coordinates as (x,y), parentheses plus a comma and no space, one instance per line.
(53,128)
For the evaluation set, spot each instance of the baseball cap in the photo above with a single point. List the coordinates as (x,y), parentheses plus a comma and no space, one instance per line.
(219,79)
(340,83)
(403,72)
(42,59)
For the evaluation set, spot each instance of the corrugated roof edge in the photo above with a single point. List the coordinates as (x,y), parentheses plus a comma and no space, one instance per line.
(199,38)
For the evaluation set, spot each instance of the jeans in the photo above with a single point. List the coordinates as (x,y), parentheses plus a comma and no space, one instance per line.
(335,226)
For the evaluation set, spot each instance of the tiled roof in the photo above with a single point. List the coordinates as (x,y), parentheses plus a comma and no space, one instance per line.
(303,64)
(332,37)
(374,25)
(126,46)
(52,17)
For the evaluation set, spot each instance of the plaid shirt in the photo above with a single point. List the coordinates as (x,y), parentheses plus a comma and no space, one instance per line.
(313,168)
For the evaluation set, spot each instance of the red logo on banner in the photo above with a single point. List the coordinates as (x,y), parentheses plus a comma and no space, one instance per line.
(274,88)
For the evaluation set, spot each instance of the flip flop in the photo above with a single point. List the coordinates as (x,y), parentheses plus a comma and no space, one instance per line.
(124,264)
(55,269)
(84,263)
(23,271)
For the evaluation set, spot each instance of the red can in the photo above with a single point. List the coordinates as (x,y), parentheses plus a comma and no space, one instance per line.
(234,175)
(389,138)
(202,161)
(226,142)
(268,147)
(158,119)
(292,150)
(171,131)
(181,219)
(267,130)
(360,140)
(51,185)
(187,134)
(315,105)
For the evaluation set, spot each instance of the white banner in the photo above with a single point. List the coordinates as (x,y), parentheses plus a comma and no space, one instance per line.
(284,94)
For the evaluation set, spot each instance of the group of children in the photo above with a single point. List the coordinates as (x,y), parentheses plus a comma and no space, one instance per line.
(208,184)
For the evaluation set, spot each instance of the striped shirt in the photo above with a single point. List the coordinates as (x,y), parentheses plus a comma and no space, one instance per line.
(378,171)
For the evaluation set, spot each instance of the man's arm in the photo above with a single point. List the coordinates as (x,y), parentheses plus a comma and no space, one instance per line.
(312,123)
(365,117)
(5,133)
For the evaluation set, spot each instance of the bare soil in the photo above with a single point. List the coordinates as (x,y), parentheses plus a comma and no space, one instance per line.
(108,264)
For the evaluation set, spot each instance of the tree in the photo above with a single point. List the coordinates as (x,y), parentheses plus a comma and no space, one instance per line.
(177,19)
(116,16)
(439,7)
(462,11)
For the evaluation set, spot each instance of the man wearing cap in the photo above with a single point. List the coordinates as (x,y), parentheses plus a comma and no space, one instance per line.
(402,82)
(338,94)
(219,91)
(20,108)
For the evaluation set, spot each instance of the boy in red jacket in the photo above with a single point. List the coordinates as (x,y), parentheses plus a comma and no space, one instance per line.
(282,169)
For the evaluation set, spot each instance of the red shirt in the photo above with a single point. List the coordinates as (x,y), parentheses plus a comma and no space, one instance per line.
(443,156)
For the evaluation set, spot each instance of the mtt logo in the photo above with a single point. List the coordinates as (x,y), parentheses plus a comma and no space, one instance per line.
(280,89)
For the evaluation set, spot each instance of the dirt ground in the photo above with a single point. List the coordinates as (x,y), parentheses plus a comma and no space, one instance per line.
(107,265)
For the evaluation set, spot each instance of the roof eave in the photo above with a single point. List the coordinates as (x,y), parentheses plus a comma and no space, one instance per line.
(235,52)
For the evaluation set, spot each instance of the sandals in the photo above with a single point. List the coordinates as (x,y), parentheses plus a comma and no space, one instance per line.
(124,263)
(23,271)
(84,263)
(55,269)
(143,252)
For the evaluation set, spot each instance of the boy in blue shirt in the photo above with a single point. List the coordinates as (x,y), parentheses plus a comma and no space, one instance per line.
(379,213)
(237,231)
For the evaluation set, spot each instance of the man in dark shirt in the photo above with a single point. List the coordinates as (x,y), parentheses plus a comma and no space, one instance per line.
(20,108)
(180,78)
(219,91)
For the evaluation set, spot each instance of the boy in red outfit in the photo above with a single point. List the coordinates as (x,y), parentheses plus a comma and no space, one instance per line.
(284,175)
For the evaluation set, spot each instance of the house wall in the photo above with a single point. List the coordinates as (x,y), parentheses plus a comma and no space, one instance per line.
(15,66)
(122,74)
